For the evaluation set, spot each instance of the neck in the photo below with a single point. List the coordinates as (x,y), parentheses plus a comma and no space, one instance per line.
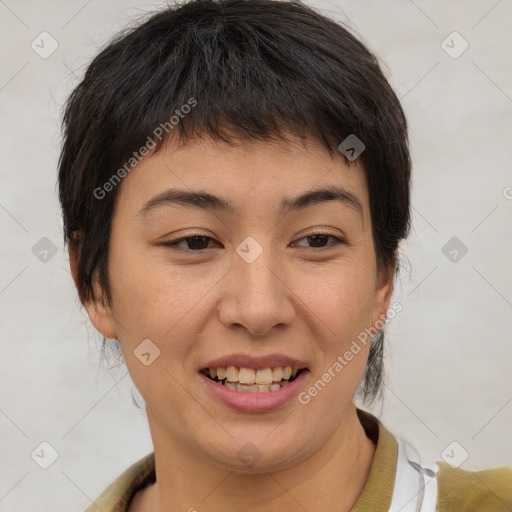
(330,479)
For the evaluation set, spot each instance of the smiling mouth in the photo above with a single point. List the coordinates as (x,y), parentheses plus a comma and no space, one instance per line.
(247,380)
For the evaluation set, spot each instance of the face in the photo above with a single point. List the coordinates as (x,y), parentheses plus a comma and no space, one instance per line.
(254,278)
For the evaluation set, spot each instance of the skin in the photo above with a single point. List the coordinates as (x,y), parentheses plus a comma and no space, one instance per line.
(298,298)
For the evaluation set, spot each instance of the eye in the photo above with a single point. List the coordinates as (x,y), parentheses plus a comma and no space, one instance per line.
(199,242)
(318,240)
(194,243)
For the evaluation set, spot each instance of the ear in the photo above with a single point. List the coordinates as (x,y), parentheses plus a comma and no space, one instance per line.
(99,313)
(383,293)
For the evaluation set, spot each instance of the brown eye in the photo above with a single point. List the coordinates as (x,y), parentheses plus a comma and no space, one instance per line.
(319,240)
(191,243)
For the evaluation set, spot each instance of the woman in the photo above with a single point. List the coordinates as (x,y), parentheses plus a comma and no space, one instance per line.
(234,182)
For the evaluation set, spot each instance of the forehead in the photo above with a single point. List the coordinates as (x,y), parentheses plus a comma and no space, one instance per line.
(244,172)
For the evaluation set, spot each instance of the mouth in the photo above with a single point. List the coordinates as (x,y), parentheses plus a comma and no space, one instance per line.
(249,380)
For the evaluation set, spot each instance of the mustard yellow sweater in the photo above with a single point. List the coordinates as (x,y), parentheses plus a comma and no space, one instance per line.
(458,490)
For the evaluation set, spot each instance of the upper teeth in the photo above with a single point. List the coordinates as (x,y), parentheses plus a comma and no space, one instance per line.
(250,376)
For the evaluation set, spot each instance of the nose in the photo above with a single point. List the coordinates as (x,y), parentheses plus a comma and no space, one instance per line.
(257,297)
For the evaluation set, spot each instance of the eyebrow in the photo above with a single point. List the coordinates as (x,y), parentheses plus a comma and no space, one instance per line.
(212,202)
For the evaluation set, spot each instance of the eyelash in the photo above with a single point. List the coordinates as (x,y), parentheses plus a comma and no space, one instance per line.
(173,244)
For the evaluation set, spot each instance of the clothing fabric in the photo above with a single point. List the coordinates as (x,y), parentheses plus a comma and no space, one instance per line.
(398,481)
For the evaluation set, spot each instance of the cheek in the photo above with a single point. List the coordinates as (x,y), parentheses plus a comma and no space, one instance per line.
(167,304)
(148,293)
(343,305)
(153,301)
(341,297)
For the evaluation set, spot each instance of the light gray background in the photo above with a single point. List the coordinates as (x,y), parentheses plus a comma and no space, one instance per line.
(449,351)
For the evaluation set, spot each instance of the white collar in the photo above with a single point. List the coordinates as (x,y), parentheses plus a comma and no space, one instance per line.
(415,487)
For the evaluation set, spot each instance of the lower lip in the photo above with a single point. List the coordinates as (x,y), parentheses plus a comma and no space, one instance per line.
(254,402)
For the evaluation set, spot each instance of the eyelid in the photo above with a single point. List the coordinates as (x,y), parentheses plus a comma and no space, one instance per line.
(320,231)
(173,242)
(338,240)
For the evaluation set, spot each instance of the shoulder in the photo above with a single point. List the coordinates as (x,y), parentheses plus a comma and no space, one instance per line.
(118,495)
(489,490)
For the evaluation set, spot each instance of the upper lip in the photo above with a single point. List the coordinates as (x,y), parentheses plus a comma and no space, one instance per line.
(254,362)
